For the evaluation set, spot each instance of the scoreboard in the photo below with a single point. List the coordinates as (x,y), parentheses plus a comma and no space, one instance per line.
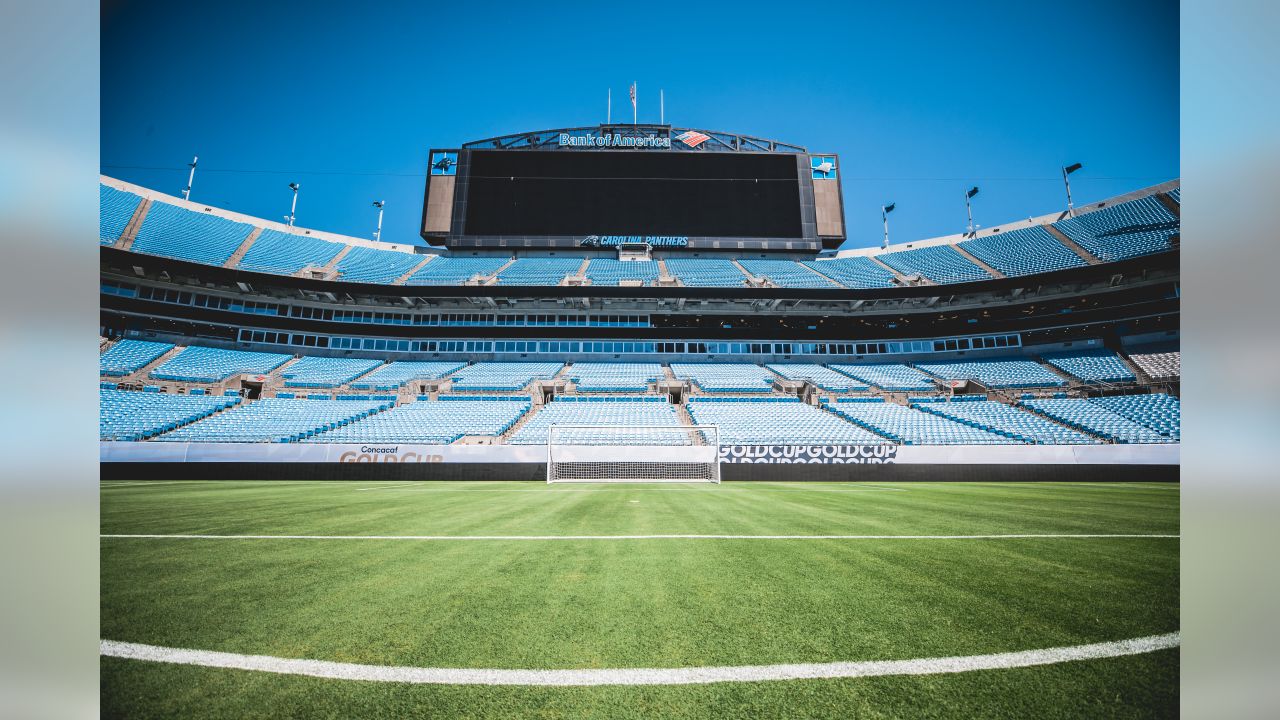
(573,188)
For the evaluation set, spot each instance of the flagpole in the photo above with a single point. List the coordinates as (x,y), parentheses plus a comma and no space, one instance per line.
(635,101)
(662,108)
(608,114)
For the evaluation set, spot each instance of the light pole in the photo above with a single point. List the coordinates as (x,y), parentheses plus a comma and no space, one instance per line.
(377,234)
(186,192)
(294,207)
(884,215)
(1067,170)
(969,206)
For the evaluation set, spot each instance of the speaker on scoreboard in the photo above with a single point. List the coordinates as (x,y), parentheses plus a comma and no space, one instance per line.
(828,207)
(437,209)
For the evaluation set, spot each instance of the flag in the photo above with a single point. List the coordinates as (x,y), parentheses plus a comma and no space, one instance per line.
(1072,168)
(889,208)
(972,192)
(633,96)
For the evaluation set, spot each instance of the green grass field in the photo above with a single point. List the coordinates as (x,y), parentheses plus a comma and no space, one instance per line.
(513,603)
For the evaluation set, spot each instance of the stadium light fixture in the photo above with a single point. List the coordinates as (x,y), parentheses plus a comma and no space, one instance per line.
(377,234)
(969,205)
(186,192)
(884,215)
(293,208)
(1067,170)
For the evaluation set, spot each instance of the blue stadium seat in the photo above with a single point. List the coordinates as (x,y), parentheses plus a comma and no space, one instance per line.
(115,209)
(206,364)
(370,265)
(996,373)
(395,374)
(446,270)
(776,421)
(894,377)
(1023,252)
(130,356)
(276,420)
(503,376)
(135,416)
(599,411)
(1137,227)
(787,273)
(821,376)
(1159,411)
(698,272)
(1092,365)
(911,426)
(1093,417)
(939,263)
(539,270)
(725,377)
(1008,421)
(430,422)
(326,372)
(609,271)
(854,272)
(614,377)
(176,232)
(286,253)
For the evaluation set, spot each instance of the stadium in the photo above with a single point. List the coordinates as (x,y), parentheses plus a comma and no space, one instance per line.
(630,436)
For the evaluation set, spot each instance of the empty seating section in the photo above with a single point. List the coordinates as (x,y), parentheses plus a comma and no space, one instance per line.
(1094,418)
(786,273)
(601,411)
(130,356)
(1092,366)
(430,422)
(1009,421)
(133,416)
(1023,252)
(370,265)
(725,377)
(175,232)
(500,376)
(454,270)
(910,426)
(1159,366)
(1137,227)
(394,374)
(539,271)
(854,272)
(823,377)
(940,263)
(276,420)
(696,272)
(326,372)
(206,364)
(894,377)
(614,377)
(278,252)
(608,271)
(996,373)
(1158,411)
(115,209)
(775,421)
(1176,194)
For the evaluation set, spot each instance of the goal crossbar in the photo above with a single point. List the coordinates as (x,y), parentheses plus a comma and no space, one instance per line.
(633,453)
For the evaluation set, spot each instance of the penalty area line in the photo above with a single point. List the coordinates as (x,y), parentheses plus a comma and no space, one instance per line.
(445,538)
(637,676)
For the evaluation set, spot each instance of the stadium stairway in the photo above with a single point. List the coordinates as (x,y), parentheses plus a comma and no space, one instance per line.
(332,266)
(238,255)
(969,256)
(902,279)
(492,278)
(1072,245)
(405,277)
(534,406)
(752,280)
(125,241)
(1169,202)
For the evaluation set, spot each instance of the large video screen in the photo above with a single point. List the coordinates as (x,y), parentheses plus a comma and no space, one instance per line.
(602,192)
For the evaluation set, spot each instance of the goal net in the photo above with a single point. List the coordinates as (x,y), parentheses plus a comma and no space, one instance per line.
(633,453)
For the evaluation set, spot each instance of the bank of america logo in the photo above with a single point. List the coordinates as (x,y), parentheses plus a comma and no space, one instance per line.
(692,138)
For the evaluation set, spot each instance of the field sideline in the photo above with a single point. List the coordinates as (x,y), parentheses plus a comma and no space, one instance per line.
(520,577)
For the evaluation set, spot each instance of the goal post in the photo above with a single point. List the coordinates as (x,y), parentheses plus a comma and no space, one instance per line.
(633,453)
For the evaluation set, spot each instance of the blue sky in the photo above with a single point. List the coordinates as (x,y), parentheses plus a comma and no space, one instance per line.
(921,100)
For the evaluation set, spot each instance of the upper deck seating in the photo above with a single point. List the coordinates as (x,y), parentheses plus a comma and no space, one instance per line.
(1129,229)
(286,253)
(700,272)
(539,270)
(115,210)
(610,271)
(787,273)
(1023,252)
(448,270)
(371,265)
(176,232)
(854,272)
(939,263)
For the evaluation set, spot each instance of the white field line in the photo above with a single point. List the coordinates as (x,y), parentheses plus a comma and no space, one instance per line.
(1053,536)
(637,676)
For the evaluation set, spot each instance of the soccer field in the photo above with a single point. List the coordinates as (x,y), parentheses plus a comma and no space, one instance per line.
(401,587)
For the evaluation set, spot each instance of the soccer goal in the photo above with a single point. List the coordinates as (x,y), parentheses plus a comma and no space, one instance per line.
(633,453)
